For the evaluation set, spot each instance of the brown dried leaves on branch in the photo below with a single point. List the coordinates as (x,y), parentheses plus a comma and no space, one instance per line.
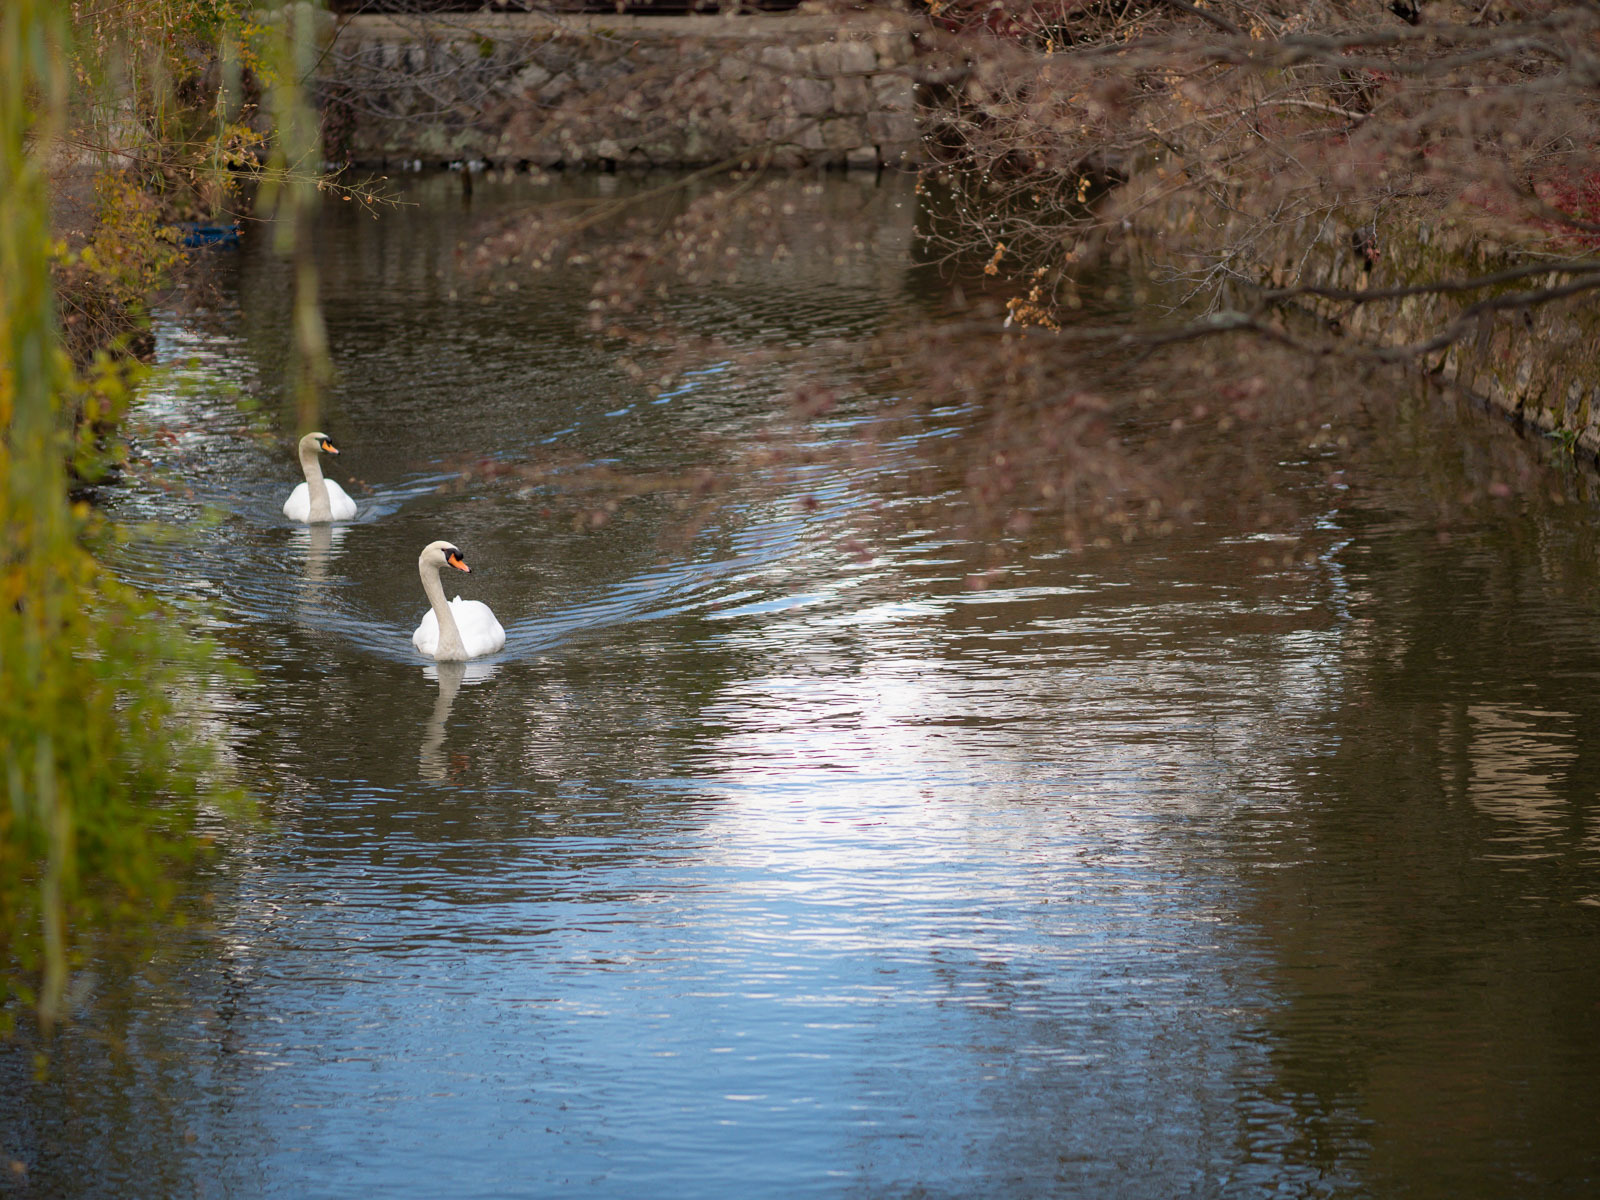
(1248,151)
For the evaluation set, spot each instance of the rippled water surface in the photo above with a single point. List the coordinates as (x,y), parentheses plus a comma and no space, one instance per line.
(770,862)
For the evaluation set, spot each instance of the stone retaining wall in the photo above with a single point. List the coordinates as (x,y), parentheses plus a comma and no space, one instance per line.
(653,91)
(1539,364)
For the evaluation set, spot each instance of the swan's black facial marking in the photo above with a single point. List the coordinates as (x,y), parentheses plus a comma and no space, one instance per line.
(453,557)
(329,447)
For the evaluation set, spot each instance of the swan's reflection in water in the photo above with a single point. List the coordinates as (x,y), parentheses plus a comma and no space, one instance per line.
(432,763)
(318,546)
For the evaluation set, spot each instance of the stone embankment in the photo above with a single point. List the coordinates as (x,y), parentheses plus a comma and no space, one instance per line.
(548,90)
(1538,363)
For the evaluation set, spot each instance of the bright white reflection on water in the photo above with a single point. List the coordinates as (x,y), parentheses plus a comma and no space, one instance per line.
(756,866)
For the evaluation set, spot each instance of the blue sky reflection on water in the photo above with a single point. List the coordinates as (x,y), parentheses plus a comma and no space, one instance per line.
(887,930)
(851,991)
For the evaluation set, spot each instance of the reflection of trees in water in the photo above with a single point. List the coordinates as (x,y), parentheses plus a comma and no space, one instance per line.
(1425,899)
(150,1071)
(744,326)
(827,341)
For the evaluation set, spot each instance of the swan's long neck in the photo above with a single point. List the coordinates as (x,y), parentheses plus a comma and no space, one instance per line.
(450,648)
(316,486)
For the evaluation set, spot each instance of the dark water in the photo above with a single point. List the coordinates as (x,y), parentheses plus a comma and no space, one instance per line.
(764,865)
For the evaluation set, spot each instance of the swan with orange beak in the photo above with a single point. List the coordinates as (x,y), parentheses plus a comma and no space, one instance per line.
(457,630)
(318,500)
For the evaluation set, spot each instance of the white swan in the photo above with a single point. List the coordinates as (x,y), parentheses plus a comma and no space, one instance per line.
(460,629)
(317,499)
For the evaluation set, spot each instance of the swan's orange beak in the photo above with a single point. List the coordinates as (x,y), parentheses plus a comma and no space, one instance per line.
(328,447)
(455,560)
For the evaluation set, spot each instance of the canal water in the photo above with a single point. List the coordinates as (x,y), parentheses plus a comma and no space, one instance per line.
(773,858)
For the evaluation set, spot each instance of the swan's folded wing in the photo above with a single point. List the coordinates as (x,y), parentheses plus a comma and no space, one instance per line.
(426,638)
(298,506)
(340,503)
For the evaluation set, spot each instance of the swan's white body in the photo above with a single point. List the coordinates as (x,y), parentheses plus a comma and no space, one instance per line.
(317,499)
(457,630)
